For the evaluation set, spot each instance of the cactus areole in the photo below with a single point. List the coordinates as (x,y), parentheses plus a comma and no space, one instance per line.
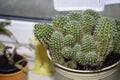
(81,41)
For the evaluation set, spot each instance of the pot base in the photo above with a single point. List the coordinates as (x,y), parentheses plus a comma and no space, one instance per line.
(62,75)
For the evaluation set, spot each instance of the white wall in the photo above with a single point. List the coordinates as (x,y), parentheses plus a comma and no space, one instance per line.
(22,30)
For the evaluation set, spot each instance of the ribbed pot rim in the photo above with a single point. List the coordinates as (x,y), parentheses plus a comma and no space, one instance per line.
(84,71)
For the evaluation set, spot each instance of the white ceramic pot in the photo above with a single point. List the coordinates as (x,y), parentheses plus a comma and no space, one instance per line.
(107,73)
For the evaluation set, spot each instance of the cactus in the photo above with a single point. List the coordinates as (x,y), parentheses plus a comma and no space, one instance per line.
(88,43)
(58,58)
(93,13)
(43,32)
(117,38)
(92,58)
(76,49)
(59,23)
(80,58)
(74,28)
(69,40)
(88,23)
(56,42)
(67,52)
(70,64)
(104,35)
(117,45)
(74,16)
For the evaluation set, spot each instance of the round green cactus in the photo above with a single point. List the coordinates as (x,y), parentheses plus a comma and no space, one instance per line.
(59,23)
(75,16)
(69,40)
(92,58)
(67,52)
(104,35)
(70,64)
(88,43)
(58,58)
(76,49)
(43,32)
(80,58)
(74,28)
(93,13)
(56,42)
(88,23)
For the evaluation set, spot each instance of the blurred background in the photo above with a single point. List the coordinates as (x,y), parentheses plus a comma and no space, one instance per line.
(44,9)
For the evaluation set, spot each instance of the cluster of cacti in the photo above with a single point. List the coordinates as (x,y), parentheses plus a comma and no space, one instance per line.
(79,38)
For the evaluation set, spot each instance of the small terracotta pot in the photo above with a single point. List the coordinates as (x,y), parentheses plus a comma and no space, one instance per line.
(19,75)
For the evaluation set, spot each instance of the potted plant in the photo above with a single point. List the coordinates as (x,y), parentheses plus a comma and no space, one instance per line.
(82,45)
(12,65)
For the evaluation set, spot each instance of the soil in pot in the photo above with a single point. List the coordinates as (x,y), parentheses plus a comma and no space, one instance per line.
(6,68)
(111,59)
